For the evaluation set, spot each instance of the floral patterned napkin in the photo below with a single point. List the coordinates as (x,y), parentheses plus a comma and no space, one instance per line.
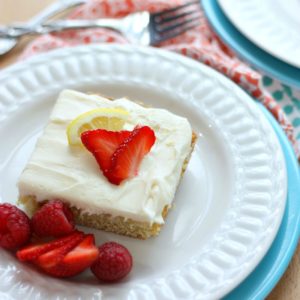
(288,98)
(199,43)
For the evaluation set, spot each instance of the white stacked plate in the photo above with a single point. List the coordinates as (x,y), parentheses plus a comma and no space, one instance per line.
(264,33)
(273,25)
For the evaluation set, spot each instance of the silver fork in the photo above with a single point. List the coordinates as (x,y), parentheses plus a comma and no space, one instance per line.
(9,42)
(141,28)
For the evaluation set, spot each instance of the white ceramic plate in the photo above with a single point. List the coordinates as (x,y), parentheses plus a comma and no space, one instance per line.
(228,206)
(273,25)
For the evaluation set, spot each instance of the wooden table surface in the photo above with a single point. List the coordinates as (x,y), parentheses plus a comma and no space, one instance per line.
(288,287)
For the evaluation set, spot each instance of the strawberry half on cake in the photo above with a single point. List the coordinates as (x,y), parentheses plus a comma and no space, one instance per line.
(115,163)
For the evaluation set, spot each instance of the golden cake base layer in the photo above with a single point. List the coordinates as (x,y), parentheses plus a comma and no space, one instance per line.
(106,222)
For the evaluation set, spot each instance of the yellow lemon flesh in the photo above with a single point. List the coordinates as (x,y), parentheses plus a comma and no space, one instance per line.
(112,119)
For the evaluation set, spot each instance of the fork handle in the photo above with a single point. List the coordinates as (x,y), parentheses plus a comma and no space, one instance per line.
(60,25)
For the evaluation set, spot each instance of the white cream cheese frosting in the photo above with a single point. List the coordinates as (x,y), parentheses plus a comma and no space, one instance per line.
(58,171)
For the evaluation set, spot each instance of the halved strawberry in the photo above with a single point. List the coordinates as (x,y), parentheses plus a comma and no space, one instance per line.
(33,251)
(102,144)
(62,262)
(126,160)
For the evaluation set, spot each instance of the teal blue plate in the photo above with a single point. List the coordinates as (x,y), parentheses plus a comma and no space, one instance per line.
(247,50)
(265,276)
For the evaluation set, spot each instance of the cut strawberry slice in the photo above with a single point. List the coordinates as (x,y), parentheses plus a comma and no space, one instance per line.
(53,257)
(126,160)
(33,251)
(64,263)
(102,144)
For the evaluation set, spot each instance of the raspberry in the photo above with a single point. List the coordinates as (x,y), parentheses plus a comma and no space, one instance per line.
(14,227)
(114,262)
(53,219)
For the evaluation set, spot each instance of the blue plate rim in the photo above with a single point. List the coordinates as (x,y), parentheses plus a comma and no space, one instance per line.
(247,50)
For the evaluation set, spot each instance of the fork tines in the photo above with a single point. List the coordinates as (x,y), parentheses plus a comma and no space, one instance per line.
(172,22)
(177,8)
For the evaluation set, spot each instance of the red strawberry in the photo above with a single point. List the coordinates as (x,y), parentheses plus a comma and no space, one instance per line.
(102,144)
(114,262)
(126,160)
(53,219)
(14,227)
(33,251)
(69,260)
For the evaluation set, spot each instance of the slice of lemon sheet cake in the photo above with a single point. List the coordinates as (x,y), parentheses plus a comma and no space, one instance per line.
(116,163)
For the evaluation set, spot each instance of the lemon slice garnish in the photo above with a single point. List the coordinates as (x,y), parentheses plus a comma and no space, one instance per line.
(112,119)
